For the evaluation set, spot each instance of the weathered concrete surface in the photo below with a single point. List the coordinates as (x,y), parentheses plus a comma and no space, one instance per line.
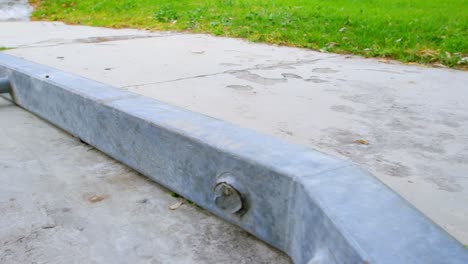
(62,201)
(317,208)
(20,34)
(14,10)
(415,119)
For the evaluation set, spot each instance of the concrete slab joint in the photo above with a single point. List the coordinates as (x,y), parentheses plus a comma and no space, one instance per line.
(316,208)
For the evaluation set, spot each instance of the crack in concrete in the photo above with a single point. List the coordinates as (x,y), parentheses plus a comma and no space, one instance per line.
(118,98)
(267,67)
(91,40)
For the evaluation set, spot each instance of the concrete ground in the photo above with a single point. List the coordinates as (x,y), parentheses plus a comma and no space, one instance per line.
(62,201)
(407,125)
(14,10)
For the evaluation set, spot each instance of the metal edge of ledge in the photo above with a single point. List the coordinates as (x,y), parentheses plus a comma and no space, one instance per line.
(316,208)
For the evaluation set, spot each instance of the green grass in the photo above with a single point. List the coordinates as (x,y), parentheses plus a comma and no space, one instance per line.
(3,48)
(423,31)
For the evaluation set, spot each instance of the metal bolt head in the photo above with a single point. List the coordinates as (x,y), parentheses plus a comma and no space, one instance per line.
(5,86)
(227,198)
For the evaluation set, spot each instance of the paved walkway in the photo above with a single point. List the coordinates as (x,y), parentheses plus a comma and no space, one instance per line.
(14,10)
(405,124)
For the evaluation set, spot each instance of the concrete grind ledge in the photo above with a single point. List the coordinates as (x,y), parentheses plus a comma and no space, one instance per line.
(314,207)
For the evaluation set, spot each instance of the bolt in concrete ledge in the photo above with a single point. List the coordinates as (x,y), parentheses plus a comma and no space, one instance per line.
(5,86)
(314,207)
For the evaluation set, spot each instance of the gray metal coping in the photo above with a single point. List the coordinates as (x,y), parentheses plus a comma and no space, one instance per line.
(316,208)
